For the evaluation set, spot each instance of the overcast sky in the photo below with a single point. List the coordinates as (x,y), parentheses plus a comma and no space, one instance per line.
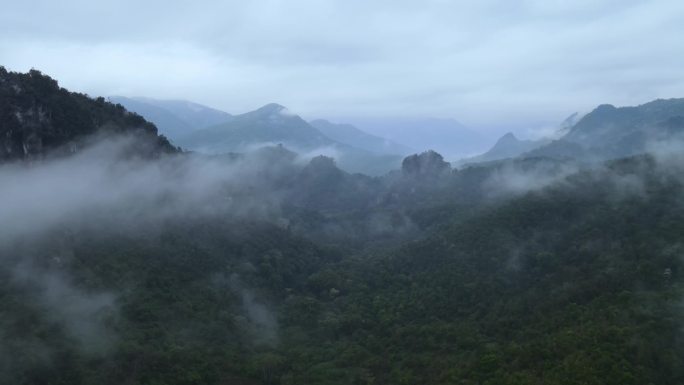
(485,63)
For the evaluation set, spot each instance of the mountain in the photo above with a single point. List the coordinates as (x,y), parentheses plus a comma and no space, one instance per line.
(626,130)
(348,134)
(579,282)
(428,164)
(605,133)
(568,275)
(270,124)
(508,146)
(168,124)
(266,268)
(197,115)
(274,124)
(607,124)
(567,124)
(609,132)
(37,116)
(446,136)
(174,118)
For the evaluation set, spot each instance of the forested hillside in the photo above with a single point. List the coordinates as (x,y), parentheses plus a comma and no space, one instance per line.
(36,116)
(123,263)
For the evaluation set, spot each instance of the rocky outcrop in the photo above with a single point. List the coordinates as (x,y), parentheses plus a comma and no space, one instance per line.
(37,116)
(426,164)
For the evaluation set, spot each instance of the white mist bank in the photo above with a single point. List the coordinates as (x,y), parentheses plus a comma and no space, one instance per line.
(38,196)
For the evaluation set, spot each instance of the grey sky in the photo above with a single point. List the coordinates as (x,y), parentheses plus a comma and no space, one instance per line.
(486,63)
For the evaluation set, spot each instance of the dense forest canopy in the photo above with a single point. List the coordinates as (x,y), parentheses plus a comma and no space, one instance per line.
(125,260)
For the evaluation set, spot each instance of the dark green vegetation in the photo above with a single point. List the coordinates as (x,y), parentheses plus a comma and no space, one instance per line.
(37,115)
(530,271)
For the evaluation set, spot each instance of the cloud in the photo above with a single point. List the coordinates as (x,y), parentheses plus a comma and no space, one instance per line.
(83,314)
(106,189)
(262,322)
(105,184)
(286,112)
(528,60)
(515,178)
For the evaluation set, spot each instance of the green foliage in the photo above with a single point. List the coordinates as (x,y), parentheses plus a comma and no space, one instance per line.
(561,286)
(37,115)
(371,281)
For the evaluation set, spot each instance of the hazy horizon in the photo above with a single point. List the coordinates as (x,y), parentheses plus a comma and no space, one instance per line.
(489,65)
(174,212)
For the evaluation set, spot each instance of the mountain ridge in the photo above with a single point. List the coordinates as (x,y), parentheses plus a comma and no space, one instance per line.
(274,124)
(610,132)
(507,146)
(174,118)
(350,134)
(38,116)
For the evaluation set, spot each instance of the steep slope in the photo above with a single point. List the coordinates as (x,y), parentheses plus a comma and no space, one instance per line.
(38,116)
(168,124)
(609,132)
(607,125)
(195,114)
(174,118)
(348,134)
(567,124)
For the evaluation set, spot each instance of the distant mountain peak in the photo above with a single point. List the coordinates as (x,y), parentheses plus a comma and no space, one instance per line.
(508,146)
(40,117)
(271,108)
(566,125)
(273,112)
(605,108)
(175,118)
(428,163)
(610,132)
(509,137)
